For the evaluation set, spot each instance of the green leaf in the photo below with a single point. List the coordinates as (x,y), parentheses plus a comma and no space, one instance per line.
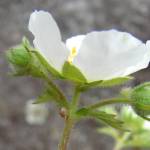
(73,73)
(140,139)
(107,83)
(50,95)
(115,81)
(82,112)
(131,120)
(109,119)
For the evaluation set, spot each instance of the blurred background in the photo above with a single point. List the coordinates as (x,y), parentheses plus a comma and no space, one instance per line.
(73,17)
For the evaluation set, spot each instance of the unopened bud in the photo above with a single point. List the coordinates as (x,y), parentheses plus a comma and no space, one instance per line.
(141,98)
(19,56)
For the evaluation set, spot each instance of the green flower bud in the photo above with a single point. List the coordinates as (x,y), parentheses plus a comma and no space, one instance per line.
(23,60)
(19,56)
(141,98)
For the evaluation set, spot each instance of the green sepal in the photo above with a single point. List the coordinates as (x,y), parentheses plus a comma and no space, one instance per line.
(71,72)
(23,62)
(109,119)
(107,83)
(49,68)
(34,68)
(26,43)
(42,60)
(142,110)
(50,95)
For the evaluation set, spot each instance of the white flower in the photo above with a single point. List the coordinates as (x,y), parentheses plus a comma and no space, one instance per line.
(35,113)
(100,55)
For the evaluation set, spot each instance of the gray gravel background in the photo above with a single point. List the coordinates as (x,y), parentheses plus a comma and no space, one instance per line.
(73,17)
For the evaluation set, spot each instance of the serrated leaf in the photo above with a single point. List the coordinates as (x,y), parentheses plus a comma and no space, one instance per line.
(107,83)
(109,119)
(71,72)
(50,94)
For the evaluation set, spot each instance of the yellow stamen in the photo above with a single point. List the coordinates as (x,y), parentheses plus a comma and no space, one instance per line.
(72,55)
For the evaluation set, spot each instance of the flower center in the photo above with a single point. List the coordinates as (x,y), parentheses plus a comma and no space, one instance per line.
(73,53)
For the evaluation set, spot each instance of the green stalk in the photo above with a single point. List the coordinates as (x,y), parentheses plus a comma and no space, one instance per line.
(66,134)
(54,86)
(109,102)
(70,121)
(75,98)
(118,146)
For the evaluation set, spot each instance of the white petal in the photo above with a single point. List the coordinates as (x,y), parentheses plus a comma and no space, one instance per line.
(75,41)
(148,44)
(109,54)
(47,38)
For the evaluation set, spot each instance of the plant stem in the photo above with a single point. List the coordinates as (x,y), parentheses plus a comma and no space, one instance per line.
(118,146)
(109,101)
(75,98)
(54,86)
(66,134)
(70,121)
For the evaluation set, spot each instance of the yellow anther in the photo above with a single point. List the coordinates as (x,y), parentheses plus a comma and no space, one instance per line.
(73,53)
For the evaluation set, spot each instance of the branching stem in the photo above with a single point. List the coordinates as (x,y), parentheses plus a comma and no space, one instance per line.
(60,93)
(69,123)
